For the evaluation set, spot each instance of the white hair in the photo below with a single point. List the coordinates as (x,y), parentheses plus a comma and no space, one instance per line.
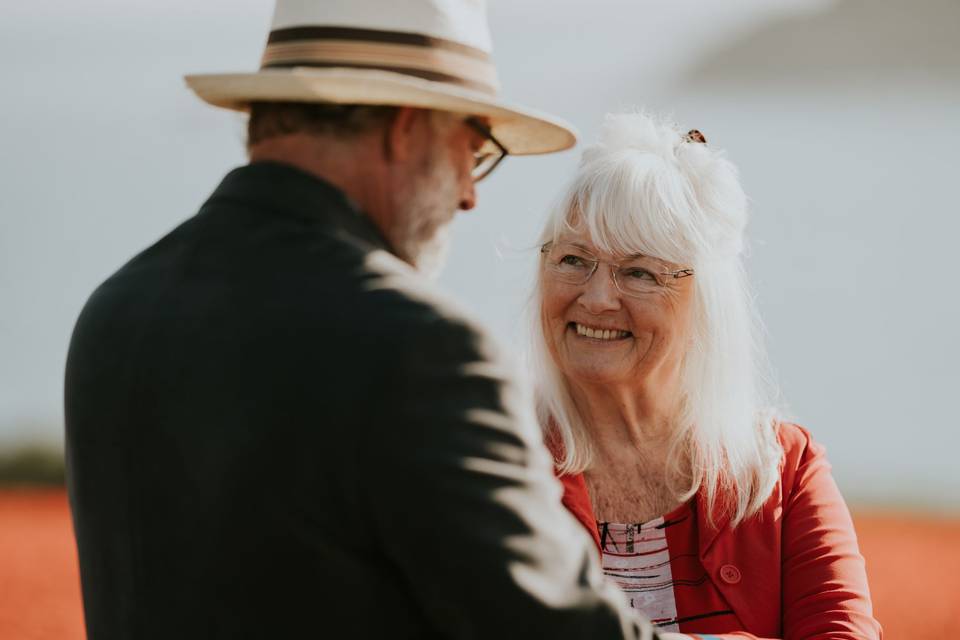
(647,188)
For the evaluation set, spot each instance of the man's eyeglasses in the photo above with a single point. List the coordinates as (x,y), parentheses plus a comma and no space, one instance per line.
(637,276)
(489,155)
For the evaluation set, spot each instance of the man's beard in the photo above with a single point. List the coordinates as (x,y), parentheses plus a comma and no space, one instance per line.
(426,207)
(433,253)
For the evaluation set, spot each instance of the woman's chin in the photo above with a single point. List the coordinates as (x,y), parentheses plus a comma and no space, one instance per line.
(594,373)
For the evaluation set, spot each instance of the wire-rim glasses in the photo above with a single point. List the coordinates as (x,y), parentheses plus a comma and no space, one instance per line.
(635,276)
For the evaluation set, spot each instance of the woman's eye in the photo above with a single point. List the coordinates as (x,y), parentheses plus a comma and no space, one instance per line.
(638,274)
(572,261)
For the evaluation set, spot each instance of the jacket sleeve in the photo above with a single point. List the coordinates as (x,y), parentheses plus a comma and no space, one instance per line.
(825,592)
(465,504)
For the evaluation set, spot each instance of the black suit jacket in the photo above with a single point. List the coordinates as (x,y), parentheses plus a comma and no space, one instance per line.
(276,428)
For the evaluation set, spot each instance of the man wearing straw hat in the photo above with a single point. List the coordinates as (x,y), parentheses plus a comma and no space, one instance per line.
(275,426)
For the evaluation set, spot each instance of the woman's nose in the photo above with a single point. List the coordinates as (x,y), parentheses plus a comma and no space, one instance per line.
(600,293)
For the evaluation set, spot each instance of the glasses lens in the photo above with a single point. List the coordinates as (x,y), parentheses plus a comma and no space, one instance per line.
(569,263)
(489,155)
(638,278)
(483,163)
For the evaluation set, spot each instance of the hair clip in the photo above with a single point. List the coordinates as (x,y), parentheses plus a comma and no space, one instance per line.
(694,135)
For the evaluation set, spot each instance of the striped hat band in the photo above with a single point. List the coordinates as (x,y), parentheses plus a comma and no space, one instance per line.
(411,54)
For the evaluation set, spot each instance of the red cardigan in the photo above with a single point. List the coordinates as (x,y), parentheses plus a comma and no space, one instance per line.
(799,572)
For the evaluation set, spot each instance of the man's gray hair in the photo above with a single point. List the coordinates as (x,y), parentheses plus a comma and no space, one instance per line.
(272,119)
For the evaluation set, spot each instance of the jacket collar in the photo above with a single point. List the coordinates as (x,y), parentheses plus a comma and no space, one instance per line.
(287,191)
(709,529)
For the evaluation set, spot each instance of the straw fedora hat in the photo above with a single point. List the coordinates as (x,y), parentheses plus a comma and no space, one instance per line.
(432,54)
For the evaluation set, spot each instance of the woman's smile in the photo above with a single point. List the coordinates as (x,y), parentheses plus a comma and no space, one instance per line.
(600,335)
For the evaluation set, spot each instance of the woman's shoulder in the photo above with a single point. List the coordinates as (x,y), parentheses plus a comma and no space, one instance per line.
(797,441)
(803,457)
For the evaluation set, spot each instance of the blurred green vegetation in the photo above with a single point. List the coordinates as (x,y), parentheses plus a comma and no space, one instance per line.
(32,464)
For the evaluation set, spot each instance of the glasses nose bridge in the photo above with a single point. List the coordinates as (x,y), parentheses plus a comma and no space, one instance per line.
(611,267)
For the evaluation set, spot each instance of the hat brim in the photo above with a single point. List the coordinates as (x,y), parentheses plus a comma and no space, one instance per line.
(522,131)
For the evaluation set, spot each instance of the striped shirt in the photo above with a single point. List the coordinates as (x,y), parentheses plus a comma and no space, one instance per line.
(657,566)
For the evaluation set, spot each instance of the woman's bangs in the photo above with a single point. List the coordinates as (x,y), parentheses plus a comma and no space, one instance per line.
(625,211)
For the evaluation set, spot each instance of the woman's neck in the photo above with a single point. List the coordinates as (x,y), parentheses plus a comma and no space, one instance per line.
(627,420)
(632,432)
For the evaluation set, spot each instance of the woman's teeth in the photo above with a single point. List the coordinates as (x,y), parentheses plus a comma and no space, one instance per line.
(600,334)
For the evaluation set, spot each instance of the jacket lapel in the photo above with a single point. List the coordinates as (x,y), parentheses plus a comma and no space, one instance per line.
(577,501)
(744,565)
(749,556)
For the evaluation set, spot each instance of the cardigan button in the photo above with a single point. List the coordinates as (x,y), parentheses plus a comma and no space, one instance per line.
(730,574)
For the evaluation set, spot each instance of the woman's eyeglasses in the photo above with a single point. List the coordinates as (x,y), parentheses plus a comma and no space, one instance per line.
(636,276)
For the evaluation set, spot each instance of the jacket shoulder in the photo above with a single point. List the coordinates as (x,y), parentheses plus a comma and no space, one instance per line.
(800,452)
(794,437)
(416,309)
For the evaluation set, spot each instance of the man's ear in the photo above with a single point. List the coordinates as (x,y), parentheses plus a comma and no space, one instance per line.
(403,132)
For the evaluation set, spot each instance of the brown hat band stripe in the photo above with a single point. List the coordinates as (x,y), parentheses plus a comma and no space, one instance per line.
(417,73)
(294,34)
(387,55)
(424,63)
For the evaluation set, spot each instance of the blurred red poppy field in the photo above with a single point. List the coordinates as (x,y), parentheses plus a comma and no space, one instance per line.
(913,563)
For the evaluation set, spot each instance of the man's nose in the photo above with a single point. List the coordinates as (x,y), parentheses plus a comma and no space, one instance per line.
(468,195)
(600,293)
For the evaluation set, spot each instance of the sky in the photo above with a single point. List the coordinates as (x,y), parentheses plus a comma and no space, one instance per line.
(842,117)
